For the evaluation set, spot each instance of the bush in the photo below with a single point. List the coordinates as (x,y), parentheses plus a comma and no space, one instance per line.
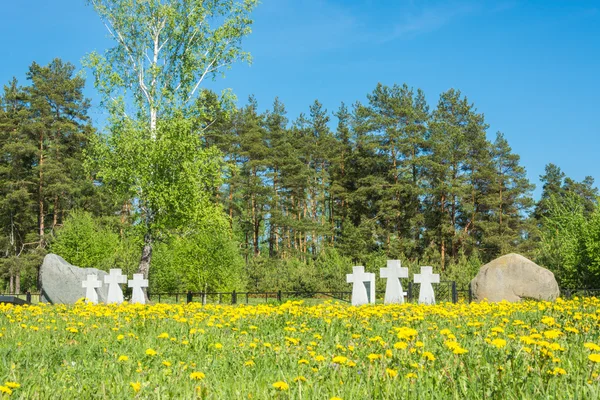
(206,260)
(85,242)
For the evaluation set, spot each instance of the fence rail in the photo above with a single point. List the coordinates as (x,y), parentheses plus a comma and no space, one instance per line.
(445,291)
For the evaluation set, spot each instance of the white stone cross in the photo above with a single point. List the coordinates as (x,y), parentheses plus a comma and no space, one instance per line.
(358,277)
(114,278)
(393,286)
(426,278)
(137,294)
(370,284)
(91,284)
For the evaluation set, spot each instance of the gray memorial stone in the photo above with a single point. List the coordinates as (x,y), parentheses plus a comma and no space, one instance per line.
(61,281)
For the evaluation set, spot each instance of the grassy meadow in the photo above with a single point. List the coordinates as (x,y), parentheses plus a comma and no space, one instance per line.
(528,350)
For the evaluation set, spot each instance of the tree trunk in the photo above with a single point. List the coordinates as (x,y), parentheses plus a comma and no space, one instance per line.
(144,266)
(18,282)
(55,213)
(40,192)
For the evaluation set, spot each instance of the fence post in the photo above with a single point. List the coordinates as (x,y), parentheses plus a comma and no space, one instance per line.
(233,297)
(203,298)
(470,294)
(28,297)
(279,295)
(454,293)
(246,297)
(189,296)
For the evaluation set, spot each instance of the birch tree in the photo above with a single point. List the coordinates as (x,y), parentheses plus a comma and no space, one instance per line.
(164,52)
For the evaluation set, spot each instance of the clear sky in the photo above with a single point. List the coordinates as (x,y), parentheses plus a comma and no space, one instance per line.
(531,67)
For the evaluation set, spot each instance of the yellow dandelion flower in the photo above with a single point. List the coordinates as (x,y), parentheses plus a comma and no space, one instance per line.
(594,358)
(198,376)
(280,385)
(12,385)
(136,386)
(151,352)
(392,373)
(340,359)
(123,358)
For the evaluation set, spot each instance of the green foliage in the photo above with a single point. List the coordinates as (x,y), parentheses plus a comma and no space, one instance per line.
(204,260)
(570,242)
(85,242)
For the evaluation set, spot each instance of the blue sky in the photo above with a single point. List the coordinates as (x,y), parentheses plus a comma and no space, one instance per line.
(531,67)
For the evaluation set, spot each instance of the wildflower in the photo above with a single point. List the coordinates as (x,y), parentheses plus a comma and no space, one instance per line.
(280,385)
(300,379)
(163,335)
(136,386)
(594,358)
(499,343)
(123,358)
(391,372)
(4,389)
(400,345)
(591,346)
(372,357)
(151,352)
(460,350)
(340,359)
(336,398)
(120,337)
(218,346)
(249,363)
(429,356)
(319,358)
(198,376)
(12,385)
(166,363)
(411,375)
(303,361)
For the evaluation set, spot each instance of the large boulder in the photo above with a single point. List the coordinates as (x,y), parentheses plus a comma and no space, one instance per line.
(61,281)
(513,277)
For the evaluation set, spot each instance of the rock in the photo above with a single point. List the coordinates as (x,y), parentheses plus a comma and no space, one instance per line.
(513,277)
(61,281)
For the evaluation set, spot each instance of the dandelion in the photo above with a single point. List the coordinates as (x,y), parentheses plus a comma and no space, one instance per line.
(151,352)
(340,359)
(249,363)
(411,375)
(372,357)
(280,385)
(499,343)
(460,350)
(400,345)
(12,385)
(4,389)
(429,356)
(163,335)
(303,361)
(594,358)
(300,379)
(391,372)
(136,386)
(123,358)
(198,376)
(166,363)
(591,346)
(218,346)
